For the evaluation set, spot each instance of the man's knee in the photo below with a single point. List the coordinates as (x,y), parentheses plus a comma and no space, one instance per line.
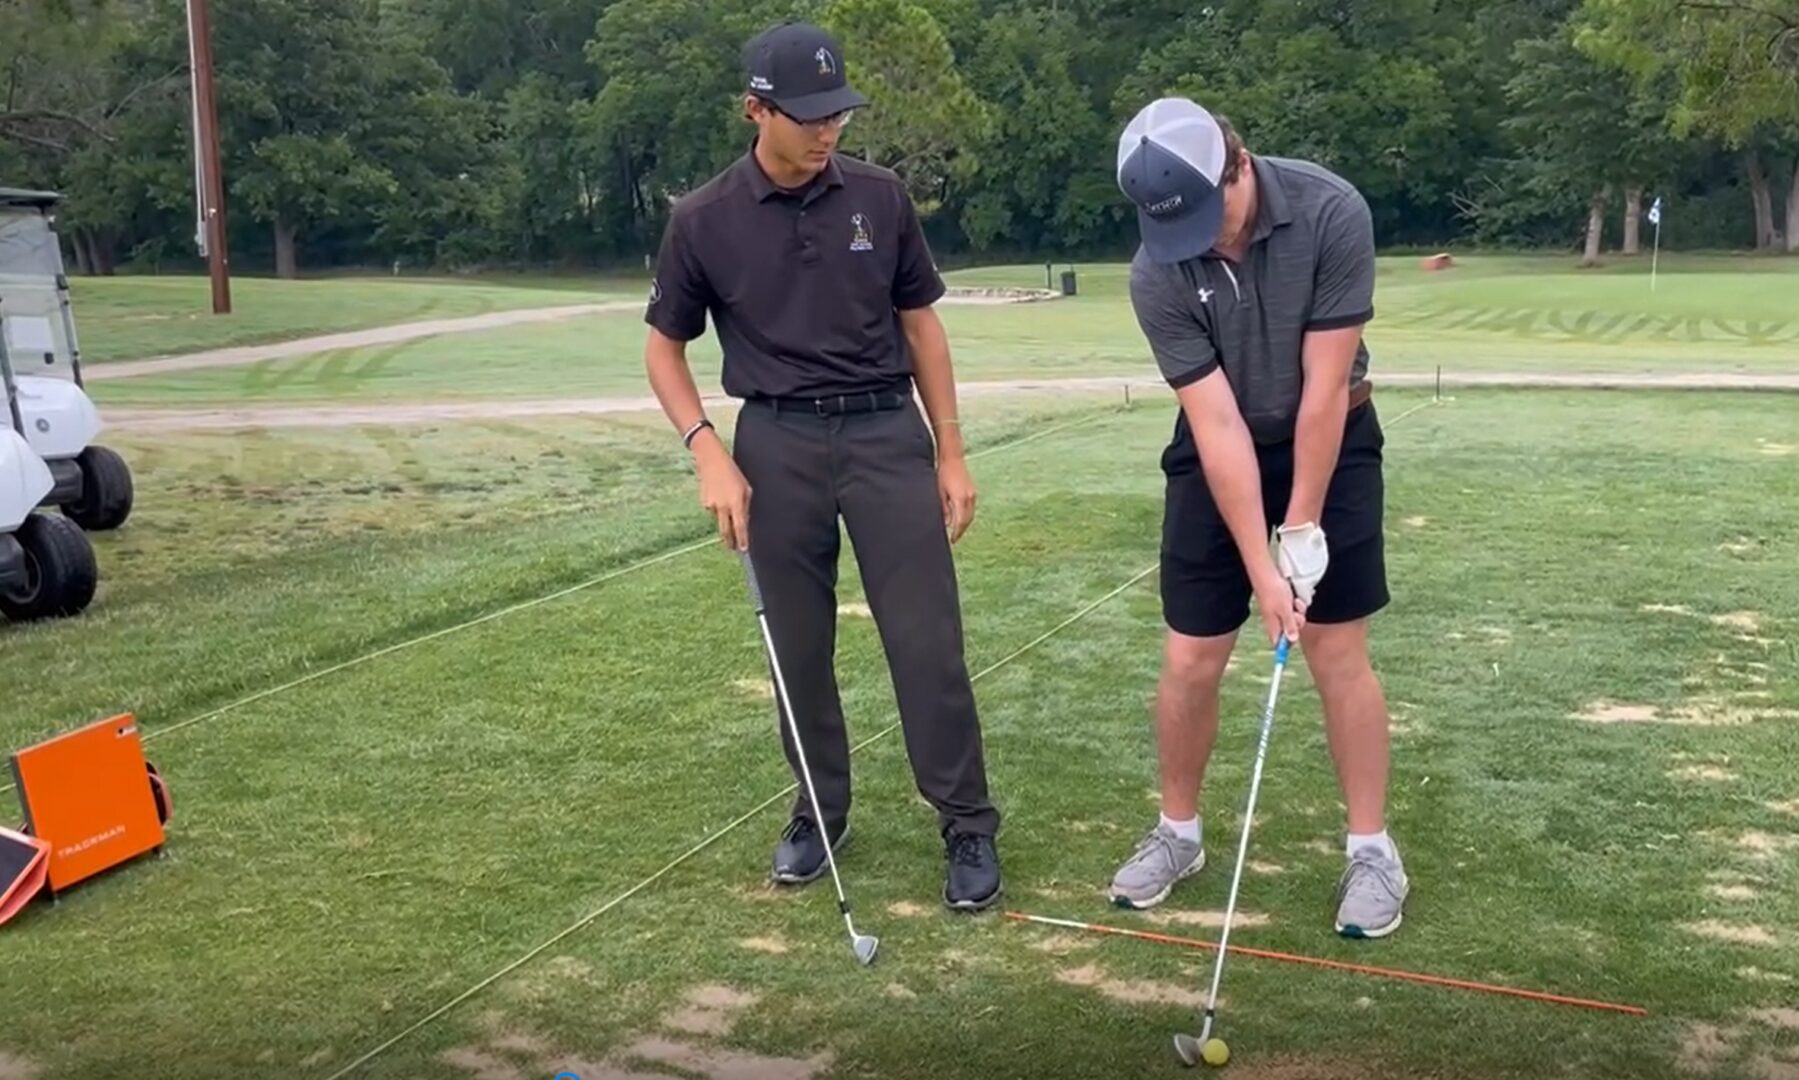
(1336,653)
(1196,664)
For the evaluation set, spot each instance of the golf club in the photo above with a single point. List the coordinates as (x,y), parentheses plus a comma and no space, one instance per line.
(863,944)
(1193,1050)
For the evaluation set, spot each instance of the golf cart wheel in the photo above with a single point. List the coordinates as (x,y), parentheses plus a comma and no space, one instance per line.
(106,491)
(61,572)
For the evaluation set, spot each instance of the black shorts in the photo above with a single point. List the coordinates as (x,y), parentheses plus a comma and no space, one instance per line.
(1205,589)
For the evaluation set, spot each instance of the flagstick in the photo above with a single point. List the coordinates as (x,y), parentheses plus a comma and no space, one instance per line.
(1655,253)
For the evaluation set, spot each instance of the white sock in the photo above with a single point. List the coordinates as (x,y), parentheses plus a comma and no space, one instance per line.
(1379,840)
(1187,830)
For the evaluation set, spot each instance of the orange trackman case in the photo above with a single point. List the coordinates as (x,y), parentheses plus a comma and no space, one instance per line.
(92,797)
(22,864)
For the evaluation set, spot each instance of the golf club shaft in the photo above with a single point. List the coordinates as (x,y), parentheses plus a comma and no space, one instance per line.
(799,747)
(1249,813)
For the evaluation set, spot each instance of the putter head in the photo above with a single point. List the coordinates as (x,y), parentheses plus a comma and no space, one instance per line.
(1186,1047)
(865,946)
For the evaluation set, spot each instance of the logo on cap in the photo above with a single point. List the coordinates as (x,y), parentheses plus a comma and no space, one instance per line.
(1165,207)
(827,64)
(760,82)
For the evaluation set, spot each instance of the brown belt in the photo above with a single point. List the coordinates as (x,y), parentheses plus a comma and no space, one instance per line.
(1360,393)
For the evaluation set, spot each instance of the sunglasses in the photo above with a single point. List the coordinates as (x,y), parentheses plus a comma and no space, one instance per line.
(835,120)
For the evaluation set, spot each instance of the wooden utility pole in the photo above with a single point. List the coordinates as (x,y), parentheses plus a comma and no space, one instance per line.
(206,132)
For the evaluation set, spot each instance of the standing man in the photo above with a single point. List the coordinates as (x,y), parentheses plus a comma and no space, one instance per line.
(820,284)
(1252,284)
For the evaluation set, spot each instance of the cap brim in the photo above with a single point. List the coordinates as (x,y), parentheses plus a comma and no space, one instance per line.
(1172,239)
(820,105)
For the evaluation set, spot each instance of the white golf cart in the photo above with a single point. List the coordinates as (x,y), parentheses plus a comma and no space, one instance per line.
(92,484)
(47,564)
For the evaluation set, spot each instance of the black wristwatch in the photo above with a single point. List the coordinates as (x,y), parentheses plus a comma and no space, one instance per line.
(687,439)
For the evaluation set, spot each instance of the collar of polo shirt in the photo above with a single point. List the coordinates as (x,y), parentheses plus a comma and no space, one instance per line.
(830,177)
(1273,211)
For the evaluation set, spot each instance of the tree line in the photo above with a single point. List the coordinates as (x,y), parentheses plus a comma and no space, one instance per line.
(488,133)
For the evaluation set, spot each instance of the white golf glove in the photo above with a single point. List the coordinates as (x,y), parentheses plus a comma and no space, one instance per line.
(1301,554)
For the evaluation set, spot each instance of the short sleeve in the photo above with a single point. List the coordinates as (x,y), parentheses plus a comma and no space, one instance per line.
(1180,342)
(1343,283)
(679,293)
(916,282)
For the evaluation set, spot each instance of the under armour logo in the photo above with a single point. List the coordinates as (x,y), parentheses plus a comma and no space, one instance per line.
(1205,296)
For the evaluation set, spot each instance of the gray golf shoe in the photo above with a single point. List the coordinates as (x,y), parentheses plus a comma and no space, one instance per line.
(1148,876)
(1371,895)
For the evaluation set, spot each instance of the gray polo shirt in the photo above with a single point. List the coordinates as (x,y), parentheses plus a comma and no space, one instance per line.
(1309,266)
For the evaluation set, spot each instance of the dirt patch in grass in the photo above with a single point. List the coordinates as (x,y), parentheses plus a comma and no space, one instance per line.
(1266,869)
(1703,1048)
(899,992)
(1092,977)
(1609,712)
(760,689)
(1776,449)
(1417,522)
(726,1064)
(16,1068)
(906,909)
(1211,920)
(1791,806)
(709,1010)
(1784,1019)
(1706,773)
(1747,621)
(1755,974)
(1761,845)
(854,610)
(1063,944)
(769,945)
(481,1065)
(1733,892)
(1733,933)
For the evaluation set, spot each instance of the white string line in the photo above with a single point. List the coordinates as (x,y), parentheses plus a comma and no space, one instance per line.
(713,839)
(612,575)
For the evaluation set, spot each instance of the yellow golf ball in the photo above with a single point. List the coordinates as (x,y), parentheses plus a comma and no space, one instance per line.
(1215,1052)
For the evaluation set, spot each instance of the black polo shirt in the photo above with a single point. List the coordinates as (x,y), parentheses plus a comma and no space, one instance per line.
(804,286)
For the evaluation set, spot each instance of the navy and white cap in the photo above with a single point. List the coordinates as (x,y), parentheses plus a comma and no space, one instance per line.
(799,67)
(1170,164)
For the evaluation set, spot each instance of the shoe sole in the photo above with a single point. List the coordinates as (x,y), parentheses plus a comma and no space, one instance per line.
(1121,901)
(1360,932)
(972,905)
(824,866)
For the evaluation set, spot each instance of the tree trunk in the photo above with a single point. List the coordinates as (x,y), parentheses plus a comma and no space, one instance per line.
(102,252)
(1764,201)
(1793,210)
(284,249)
(1595,229)
(84,262)
(1633,217)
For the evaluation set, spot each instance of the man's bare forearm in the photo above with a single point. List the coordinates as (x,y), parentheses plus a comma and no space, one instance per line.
(1227,455)
(665,362)
(1317,440)
(935,377)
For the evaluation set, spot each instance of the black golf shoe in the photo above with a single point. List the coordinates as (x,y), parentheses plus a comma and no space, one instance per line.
(973,880)
(800,856)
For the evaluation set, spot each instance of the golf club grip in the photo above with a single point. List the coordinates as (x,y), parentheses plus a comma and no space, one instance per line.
(1280,651)
(749,573)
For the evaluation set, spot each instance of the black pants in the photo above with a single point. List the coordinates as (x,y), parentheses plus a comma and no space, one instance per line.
(878,471)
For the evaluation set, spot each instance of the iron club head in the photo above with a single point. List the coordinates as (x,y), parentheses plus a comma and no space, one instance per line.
(865,946)
(1187,1048)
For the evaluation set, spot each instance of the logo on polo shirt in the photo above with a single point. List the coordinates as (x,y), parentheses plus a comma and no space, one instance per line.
(1205,296)
(862,241)
(655,290)
(827,64)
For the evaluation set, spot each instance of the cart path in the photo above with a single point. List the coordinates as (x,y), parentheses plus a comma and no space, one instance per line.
(383,335)
(390,413)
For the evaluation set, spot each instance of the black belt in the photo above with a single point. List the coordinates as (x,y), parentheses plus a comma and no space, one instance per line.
(838,404)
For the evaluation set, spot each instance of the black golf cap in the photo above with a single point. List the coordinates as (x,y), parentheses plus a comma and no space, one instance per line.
(799,68)
(1170,165)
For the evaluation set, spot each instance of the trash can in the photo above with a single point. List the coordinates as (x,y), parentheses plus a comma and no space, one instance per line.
(1068,283)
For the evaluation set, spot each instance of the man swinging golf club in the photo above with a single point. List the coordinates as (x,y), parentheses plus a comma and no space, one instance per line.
(1252,283)
(819,282)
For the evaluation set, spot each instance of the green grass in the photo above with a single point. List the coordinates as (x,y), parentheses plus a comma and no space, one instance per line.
(125,318)
(1536,314)
(354,853)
